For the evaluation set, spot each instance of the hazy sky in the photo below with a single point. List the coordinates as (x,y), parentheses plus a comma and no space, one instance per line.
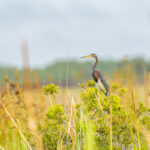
(71,28)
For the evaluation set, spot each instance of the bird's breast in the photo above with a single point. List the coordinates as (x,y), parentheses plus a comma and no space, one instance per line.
(95,76)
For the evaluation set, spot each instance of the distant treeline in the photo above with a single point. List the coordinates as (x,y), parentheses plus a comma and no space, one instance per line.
(72,72)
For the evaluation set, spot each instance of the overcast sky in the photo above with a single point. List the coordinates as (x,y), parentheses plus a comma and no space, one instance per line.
(57,29)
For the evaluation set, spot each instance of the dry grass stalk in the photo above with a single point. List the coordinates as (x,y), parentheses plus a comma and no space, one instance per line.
(26,65)
(72,123)
(70,119)
(31,119)
(50,100)
(98,99)
(146,89)
(16,126)
(67,75)
(131,131)
(2,148)
(136,121)
(37,84)
(59,144)
(146,134)
(111,147)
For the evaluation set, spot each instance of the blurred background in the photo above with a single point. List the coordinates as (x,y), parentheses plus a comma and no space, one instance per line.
(43,40)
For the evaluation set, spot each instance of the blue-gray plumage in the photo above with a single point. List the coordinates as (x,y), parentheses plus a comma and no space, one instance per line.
(98,76)
(104,82)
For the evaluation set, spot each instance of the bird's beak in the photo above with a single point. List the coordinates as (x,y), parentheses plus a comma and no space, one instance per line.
(87,56)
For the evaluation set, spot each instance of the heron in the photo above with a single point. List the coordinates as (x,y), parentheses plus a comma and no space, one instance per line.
(98,75)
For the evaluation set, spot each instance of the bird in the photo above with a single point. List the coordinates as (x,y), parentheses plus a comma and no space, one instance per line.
(98,75)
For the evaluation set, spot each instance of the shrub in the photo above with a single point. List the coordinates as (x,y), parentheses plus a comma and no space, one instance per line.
(97,117)
(54,130)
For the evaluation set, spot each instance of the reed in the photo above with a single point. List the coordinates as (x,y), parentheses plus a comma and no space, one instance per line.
(136,121)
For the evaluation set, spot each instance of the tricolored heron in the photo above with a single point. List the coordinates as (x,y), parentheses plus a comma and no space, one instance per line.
(98,76)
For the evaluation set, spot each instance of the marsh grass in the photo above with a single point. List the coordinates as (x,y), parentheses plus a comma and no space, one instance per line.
(90,119)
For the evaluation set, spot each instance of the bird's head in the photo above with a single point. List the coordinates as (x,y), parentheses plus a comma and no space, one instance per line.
(89,56)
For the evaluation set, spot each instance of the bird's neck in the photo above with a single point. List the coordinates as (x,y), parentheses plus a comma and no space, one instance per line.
(95,64)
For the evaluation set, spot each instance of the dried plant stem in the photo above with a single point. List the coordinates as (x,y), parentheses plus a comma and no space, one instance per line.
(71,123)
(31,121)
(147,90)
(16,126)
(146,134)
(37,83)
(51,103)
(67,76)
(98,99)
(70,119)
(136,121)
(2,148)
(111,148)
(59,144)
(131,132)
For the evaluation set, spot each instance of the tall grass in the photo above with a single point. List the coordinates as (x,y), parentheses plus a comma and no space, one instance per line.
(16,126)
(24,110)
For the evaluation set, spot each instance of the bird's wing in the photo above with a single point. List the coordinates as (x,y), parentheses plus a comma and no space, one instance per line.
(104,82)
(101,86)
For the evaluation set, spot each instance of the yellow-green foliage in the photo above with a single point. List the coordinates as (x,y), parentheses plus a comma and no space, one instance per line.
(87,125)
(144,115)
(123,125)
(50,89)
(54,130)
(92,121)
(100,117)
(122,91)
